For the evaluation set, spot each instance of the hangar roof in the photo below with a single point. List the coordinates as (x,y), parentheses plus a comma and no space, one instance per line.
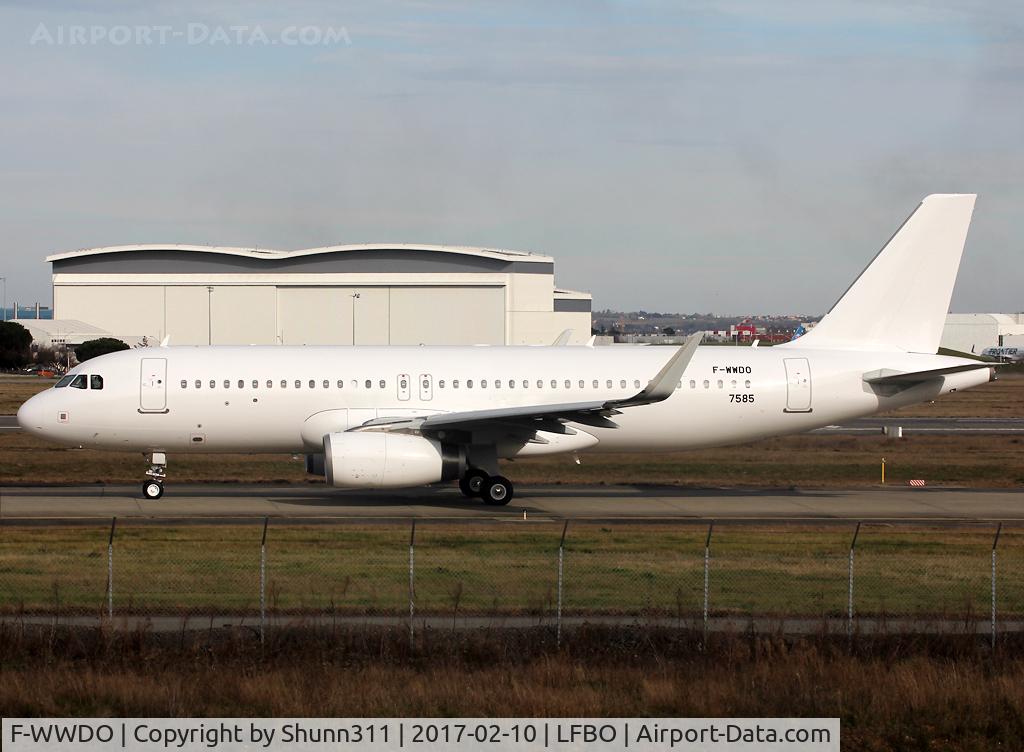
(271,254)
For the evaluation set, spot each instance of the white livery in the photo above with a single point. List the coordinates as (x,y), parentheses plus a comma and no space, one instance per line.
(392,417)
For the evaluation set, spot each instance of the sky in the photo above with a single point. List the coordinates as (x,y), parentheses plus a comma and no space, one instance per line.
(723,156)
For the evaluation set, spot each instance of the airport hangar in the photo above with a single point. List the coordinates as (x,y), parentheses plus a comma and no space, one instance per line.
(390,294)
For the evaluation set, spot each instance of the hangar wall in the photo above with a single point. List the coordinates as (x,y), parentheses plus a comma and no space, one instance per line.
(199,295)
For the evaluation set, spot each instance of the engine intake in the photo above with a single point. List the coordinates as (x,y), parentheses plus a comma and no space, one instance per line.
(378,459)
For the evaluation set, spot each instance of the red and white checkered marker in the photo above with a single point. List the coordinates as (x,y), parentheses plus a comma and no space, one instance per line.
(917,482)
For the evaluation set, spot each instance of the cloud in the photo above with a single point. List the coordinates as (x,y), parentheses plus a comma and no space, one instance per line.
(715,156)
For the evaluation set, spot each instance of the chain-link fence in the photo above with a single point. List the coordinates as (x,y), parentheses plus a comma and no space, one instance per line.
(795,577)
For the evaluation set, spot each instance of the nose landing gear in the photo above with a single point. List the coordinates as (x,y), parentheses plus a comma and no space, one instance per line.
(154,487)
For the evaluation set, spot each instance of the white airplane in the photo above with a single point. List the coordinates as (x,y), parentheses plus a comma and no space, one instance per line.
(396,417)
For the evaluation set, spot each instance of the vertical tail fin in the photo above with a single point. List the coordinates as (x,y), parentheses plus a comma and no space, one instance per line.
(899,302)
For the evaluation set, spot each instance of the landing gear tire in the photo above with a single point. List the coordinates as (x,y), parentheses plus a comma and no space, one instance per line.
(497,491)
(472,483)
(152,489)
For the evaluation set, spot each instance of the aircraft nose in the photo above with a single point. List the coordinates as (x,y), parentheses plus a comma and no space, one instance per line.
(31,413)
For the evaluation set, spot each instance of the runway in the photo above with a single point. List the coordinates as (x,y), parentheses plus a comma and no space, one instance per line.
(929,426)
(224,503)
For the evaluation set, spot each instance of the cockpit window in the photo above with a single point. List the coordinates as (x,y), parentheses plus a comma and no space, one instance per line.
(64,382)
(95,381)
(79,382)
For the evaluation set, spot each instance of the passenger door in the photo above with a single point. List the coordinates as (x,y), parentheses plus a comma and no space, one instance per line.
(798,385)
(153,385)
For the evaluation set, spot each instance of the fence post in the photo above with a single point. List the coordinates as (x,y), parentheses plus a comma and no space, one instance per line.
(707,578)
(110,569)
(561,560)
(995,543)
(849,591)
(412,583)
(263,581)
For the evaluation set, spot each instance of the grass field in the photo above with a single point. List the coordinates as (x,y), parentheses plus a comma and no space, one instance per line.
(976,461)
(946,694)
(511,569)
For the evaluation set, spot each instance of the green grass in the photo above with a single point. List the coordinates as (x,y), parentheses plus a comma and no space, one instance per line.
(510,568)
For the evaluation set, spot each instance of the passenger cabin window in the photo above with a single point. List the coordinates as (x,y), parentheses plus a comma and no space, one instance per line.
(241,384)
(227,383)
(622,383)
(568,384)
(369,384)
(693,384)
(95,382)
(312,384)
(213,384)
(747,383)
(469,383)
(497,383)
(483,383)
(382,383)
(720,384)
(554,384)
(608,384)
(284,383)
(341,383)
(706,383)
(455,383)
(636,383)
(78,382)
(184,384)
(65,381)
(199,384)
(298,384)
(526,383)
(440,384)
(255,384)
(270,384)
(327,384)
(540,384)
(595,383)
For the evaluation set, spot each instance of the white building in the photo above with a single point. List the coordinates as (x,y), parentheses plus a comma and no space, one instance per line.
(973,332)
(363,294)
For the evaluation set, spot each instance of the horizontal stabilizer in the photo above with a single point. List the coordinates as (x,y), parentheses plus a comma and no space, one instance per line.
(888,376)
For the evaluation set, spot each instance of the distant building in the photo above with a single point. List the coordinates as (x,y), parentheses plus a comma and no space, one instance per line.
(339,295)
(67,332)
(973,332)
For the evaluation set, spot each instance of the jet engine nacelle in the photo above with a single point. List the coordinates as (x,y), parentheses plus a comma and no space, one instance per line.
(379,459)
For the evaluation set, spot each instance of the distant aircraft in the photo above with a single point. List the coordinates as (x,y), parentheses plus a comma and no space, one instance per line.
(394,417)
(1004,354)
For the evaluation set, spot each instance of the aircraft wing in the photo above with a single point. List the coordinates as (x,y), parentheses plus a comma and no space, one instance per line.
(532,418)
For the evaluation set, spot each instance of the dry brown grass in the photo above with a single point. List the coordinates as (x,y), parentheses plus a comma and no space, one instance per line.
(947,693)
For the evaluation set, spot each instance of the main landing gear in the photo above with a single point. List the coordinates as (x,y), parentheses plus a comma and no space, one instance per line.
(495,490)
(154,487)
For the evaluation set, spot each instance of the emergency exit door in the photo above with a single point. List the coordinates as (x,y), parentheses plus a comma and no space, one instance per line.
(426,386)
(153,385)
(798,385)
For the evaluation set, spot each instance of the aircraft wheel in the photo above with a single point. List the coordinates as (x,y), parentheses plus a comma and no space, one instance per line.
(497,492)
(152,489)
(472,483)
